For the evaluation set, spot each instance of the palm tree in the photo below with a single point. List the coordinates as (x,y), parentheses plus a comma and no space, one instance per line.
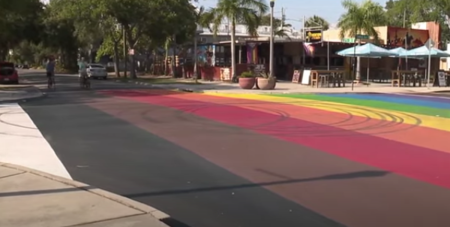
(361,19)
(281,32)
(315,21)
(201,21)
(234,11)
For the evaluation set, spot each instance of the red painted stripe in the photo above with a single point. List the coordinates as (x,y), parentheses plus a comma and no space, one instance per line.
(420,163)
(392,130)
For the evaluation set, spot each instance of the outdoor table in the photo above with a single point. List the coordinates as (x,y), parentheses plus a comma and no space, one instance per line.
(406,78)
(328,78)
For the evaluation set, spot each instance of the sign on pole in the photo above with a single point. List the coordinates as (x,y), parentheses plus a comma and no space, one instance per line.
(348,40)
(430,44)
(359,36)
(313,36)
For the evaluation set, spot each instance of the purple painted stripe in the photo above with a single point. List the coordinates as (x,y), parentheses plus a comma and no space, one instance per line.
(421,97)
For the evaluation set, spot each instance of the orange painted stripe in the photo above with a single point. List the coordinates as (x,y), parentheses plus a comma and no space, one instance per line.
(405,133)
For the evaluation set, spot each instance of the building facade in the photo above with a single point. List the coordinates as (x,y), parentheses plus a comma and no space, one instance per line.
(224,32)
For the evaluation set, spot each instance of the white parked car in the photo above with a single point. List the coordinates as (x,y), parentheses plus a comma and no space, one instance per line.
(97,71)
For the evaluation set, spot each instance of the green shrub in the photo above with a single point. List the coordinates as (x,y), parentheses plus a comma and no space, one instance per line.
(247,74)
(264,75)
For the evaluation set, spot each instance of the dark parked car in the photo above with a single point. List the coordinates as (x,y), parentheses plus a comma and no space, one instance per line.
(8,73)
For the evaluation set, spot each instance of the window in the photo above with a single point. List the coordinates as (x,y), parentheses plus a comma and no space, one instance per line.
(316,61)
(96,66)
(337,61)
(6,68)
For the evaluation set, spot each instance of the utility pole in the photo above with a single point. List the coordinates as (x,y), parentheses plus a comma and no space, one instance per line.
(272,4)
(124,52)
(283,17)
(404,18)
(328,54)
(304,38)
(406,38)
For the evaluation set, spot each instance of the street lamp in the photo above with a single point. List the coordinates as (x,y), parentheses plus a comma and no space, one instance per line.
(10,54)
(198,30)
(272,4)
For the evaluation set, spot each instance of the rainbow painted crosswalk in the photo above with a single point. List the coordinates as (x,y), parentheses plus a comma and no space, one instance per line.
(407,135)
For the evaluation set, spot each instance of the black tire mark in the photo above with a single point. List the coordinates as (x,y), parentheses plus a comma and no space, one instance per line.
(12,124)
(386,120)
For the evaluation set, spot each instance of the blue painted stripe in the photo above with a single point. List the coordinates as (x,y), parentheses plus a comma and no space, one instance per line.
(438,99)
(394,99)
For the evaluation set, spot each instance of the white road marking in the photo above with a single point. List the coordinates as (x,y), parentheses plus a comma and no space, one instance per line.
(21,143)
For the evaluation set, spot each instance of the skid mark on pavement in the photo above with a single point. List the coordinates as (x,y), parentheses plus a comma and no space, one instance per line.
(23,144)
(411,119)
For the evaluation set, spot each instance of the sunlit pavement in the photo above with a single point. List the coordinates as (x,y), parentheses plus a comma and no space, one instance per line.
(361,160)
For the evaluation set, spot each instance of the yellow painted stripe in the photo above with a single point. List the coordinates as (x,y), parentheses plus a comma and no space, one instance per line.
(374,113)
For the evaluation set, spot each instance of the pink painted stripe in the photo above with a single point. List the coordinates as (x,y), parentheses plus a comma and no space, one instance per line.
(416,162)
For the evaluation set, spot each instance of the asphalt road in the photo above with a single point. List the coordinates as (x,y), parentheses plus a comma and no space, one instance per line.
(102,150)
(168,159)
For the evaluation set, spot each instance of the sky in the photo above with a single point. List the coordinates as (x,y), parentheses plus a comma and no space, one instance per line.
(295,10)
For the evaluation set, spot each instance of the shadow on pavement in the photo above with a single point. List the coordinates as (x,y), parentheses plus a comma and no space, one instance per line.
(174,222)
(46,191)
(361,174)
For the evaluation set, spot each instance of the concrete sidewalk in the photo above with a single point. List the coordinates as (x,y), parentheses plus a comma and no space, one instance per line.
(14,93)
(284,87)
(30,198)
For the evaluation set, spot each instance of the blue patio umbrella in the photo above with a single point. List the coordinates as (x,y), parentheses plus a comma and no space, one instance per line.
(349,52)
(368,50)
(424,52)
(398,51)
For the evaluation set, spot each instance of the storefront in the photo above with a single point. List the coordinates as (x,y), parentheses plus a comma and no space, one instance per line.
(390,38)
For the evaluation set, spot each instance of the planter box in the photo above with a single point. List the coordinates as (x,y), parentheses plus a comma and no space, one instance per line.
(266,83)
(247,82)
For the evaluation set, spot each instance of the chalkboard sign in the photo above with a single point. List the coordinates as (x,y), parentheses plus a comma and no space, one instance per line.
(440,79)
(306,76)
(296,76)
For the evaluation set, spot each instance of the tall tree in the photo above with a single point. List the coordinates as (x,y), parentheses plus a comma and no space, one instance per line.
(233,11)
(316,21)
(406,12)
(170,17)
(19,21)
(100,21)
(361,19)
(201,22)
(397,13)
(277,22)
(441,13)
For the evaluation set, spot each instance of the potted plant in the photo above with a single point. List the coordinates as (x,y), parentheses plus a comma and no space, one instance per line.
(266,82)
(247,80)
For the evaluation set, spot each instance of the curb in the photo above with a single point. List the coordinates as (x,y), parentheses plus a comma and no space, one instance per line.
(39,95)
(162,87)
(145,209)
(134,82)
(175,88)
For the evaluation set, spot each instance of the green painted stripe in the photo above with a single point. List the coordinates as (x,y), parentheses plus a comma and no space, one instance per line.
(373,104)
